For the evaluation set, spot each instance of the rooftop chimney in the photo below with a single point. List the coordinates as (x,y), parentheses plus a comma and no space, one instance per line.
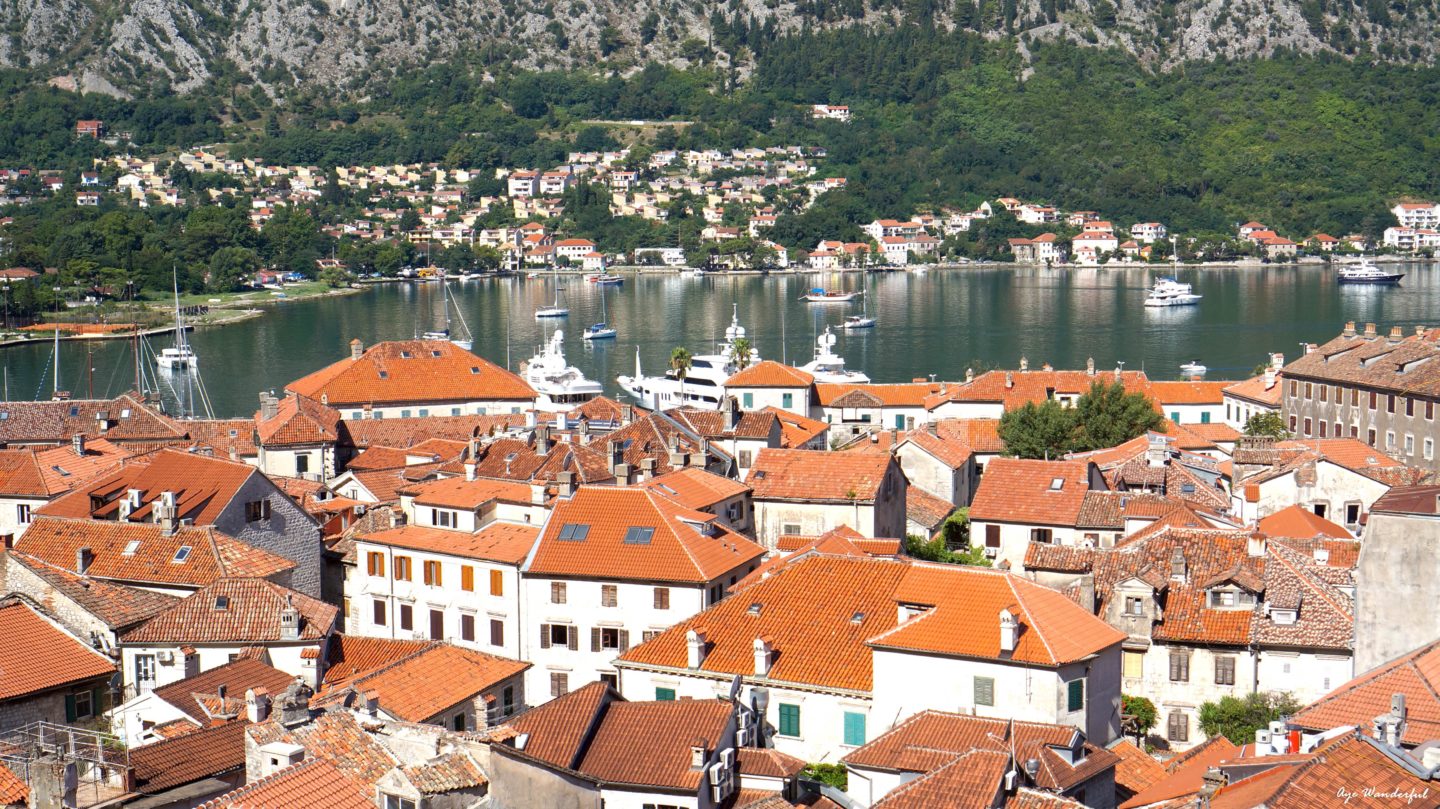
(1277,361)
(289,621)
(164,510)
(732,412)
(1349,329)
(562,422)
(1117,373)
(1396,334)
(1177,564)
(1370,330)
(1269,377)
(83,557)
(699,751)
(622,474)
(469,468)
(1024,364)
(529,419)
(1009,380)
(627,414)
(1157,450)
(647,469)
(694,648)
(1211,783)
(969,375)
(764,657)
(77,442)
(584,431)
(1009,631)
(357,349)
(542,440)
(1089,366)
(1257,544)
(371,700)
(565,481)
(257,705)
(269,406)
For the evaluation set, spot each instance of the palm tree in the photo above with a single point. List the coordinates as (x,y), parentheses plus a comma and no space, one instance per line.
(740,353)
(680,363)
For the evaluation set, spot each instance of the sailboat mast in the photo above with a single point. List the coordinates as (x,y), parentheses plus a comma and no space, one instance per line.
(57,361)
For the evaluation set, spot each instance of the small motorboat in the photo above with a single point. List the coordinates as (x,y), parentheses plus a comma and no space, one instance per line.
(858,322)
(605,279)
(818,295)
(1365,272)
(1193,368)
(599,331)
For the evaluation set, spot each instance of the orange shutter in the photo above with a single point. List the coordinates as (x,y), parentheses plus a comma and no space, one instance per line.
(467,578)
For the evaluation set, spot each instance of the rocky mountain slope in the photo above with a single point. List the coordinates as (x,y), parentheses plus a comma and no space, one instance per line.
(123,46)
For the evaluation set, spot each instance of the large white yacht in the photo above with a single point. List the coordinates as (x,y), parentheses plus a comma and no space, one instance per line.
(829,366)
(1169,292)
(561,386)
(704,383)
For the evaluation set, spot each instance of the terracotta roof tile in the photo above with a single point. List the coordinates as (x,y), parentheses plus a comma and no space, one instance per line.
(558,729)
(1024,491)
(1298,521)
(314,783)
(448,773)
(351,656)
(402,432)
(1333,770)
(203,487)
(770,374)
(225,438)
(1415,674)
(117,605)
(1255,389)
(1185,779)
(496,542)
(695,489)
(1373,362)
(152,559)
(412,371)
(1011,389)
(912,394)
(54,471)
(648,743)
(716,425)
(952,452)
(924,508)
(418,687)
(235,678)
(203,753)
(981,435)
(299,420)
(664,545)
(797,431)
(468,494)
(971,780)
(810,475)
(235,611)
(768,763)
(1187,392)
(38,655)
(1137,769)
(122,419)
(13,789)
(336,737)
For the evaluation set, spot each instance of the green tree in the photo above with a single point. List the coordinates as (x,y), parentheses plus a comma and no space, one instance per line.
(1238,719)
(680,364)
(1137,715)
(834,775)
(740,352)
(1267,424)
(1107,416)
(1044,430)
(934,550)
(232,268)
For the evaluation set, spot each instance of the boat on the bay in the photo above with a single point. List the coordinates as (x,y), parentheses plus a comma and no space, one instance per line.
(818,295)
(1193,368)
(602,330)
(554,309)
(860,321)
(704,383)
(180,357)
(605,279)
(829,367)
(1364,271)
(462,338)
(1169,292)
(560,385)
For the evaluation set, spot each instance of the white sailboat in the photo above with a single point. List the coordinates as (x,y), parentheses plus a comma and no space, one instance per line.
(602,330)
(555,309)
(560,386)
(462,340)
(180,357)
(704,383)
(860,321)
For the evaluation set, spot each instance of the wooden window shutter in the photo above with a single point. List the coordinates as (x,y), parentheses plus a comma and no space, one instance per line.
(594,638)
(467,578)
(574,636)
(624,639)
(497,583)
(70,712)
(544,636)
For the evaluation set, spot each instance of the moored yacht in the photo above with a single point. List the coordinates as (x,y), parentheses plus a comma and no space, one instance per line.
(1364,271)
(829,366)
(1169,292)
(704,382)
(560,386)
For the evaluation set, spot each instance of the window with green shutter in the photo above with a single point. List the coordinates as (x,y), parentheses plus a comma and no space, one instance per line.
(665,694)
(984,690)
(789,720)
(854,729)
(748,401)
(787,400)
(1075,695)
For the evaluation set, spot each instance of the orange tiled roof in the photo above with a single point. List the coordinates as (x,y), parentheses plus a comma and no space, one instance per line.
(696,489)
(813,475)
(797,431)
(924,508)
(904,394)
(204,753)
(1331,771)
(1137,769)
(351,656)
(412,371)
(418,687)
(299,420)
(675,549)
(648,743)
(1187,392)
(402,432)
(315,783)
(38,655)
(770,374)
(117,605)
(981,435)
(152,559)
(558,728)
(1015,388)
(963,601)
(971,779)
(1298,521)
(951,452)
(1255,390)
(1415,674)
(13,789)
(468,494)
(1023,491)
(235,611)
(53,471)
(203,487)
(1187,779)
(496,542)
(235,677)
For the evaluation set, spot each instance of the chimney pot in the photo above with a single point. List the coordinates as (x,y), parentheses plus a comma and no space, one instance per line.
(357,349)
(257,705)
(77,441)
(1009,631)
(1024,364)
(1396,334)
(82,560)
(1370,330)
(1350,328)
(694,648)
(1089,366)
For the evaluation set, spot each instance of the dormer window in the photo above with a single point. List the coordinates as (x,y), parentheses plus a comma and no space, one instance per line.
(1231,599)
(1283,617)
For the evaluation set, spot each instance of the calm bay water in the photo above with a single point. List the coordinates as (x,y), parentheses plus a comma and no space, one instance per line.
(938,323)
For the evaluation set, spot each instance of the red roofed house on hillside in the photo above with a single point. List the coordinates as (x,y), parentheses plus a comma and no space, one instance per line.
(770,384)
(215,624)
(592,742)
(1209,614)
(297,437)
(992,393)
(854,410)
(846,646)
(415,378)
(1337,478)
(936,756)
(942,466)
(46,673)
(613,566)
(453,572)
(808,492)
(30,478)
(177,488)
(1021,502)
(1254,396)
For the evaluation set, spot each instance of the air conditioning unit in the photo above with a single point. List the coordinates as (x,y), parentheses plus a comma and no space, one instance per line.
(165,656)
